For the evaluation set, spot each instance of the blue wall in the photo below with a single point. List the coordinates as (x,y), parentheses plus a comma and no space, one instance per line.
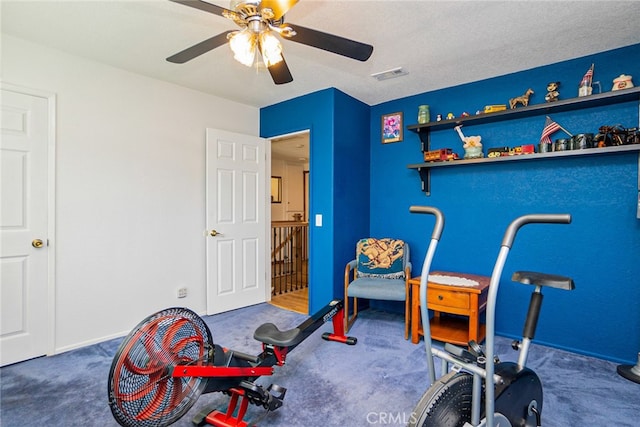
(599,249)
(339,180)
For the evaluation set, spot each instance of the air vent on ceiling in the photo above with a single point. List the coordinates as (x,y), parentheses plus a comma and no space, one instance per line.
(390,74)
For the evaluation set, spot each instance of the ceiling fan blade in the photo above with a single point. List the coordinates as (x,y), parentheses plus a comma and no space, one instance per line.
(331,43)
(280,73)
(196,50)
(279,7)
(203,5)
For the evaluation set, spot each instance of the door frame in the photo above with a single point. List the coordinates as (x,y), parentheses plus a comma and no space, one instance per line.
(307,209)
(50,97)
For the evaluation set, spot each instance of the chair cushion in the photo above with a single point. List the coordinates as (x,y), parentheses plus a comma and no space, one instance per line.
(383,258)
(374,288)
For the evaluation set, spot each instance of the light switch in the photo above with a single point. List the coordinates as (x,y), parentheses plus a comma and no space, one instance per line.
(318,220)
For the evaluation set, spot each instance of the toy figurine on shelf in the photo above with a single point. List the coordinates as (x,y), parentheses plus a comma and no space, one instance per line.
(471,144)
(522,99)
(552,92)
(585,84)
(622,82)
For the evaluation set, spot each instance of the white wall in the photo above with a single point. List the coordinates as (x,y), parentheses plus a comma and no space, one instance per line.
(130,188)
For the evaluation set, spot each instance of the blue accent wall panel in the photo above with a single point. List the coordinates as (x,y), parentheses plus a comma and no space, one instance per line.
(363,187)
(351,174)
(600,249)
(339,180)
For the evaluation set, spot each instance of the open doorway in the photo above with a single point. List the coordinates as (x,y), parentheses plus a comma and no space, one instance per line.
(289,222)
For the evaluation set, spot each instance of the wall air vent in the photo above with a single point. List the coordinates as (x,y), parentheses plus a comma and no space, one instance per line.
(390,74)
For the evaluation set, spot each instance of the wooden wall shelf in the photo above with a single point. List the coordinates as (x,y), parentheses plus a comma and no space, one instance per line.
(535,156)
(598,100)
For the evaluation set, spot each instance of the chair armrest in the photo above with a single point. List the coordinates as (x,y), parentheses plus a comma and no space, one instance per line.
(351,265)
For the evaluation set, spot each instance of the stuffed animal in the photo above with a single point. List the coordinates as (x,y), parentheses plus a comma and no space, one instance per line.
(552,92)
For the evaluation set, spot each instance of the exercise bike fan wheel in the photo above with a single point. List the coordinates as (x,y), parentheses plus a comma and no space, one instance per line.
(446,404)
(142,391)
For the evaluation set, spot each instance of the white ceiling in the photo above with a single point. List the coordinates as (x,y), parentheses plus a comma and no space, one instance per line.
(292,148)
(439,43)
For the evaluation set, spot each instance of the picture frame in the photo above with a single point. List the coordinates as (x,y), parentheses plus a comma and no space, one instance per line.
(391,127)
(276,189)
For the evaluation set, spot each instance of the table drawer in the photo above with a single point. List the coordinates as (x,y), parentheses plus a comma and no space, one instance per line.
(454,299)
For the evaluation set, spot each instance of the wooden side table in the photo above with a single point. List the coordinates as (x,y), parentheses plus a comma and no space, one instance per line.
(448,300)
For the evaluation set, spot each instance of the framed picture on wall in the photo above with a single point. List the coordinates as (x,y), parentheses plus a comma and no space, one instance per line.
(391,127)
(276,189)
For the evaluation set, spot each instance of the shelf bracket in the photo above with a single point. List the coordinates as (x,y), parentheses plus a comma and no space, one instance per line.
(425,178)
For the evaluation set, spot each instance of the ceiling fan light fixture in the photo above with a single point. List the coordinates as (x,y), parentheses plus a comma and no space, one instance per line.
(243,45)
(270,48)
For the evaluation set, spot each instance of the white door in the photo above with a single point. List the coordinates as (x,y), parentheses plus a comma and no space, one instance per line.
(236,221)
(24,226)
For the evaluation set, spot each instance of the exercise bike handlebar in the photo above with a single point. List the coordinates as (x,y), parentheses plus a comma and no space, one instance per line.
(424,275)
(439,225)
(516,224)
(507,243)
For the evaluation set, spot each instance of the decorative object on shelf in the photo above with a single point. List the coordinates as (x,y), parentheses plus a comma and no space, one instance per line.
(392,127)
(561,144)
(545,147)
(494,108)
(471,144)
(514,151)
(622,82)
(498,152)
(423,114)
(439,118)
(522,99)
(550,127)
(528,149)
(616,135)
(441,155)
(585,84)
(552,92)
(580,141)
(450,116)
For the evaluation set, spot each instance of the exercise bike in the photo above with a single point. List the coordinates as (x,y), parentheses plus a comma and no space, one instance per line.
(480,390)
(169,359)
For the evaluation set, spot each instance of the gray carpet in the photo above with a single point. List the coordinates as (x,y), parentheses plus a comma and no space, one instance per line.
(374,383)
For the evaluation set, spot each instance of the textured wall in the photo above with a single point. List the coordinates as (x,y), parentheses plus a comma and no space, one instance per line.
(599,249)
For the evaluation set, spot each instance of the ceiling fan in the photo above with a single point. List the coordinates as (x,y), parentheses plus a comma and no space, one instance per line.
(259,21)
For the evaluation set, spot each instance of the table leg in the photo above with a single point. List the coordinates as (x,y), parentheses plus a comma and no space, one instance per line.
(474,319)
(415,314)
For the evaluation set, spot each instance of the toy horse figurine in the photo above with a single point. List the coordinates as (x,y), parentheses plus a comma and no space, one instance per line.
(524,99)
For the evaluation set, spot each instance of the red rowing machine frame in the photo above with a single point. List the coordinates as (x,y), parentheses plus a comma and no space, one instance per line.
(262,364)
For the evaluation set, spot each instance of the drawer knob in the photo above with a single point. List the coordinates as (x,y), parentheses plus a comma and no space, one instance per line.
(440,297)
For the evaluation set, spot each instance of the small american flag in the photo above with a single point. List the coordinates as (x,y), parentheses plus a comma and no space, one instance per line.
(549,127)
(588,76)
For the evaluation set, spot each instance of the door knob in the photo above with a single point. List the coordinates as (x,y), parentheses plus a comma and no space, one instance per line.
(37,243)
(214,233)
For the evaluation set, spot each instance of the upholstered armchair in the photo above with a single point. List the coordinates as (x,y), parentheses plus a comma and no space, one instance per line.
(381,271)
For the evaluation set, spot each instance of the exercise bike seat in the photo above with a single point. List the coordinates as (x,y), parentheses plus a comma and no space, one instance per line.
(544,279)
(269,333)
